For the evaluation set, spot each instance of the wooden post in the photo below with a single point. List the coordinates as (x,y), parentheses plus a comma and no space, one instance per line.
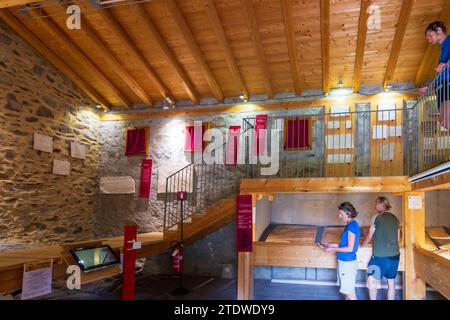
(245,276)
(414,229)
(245,269)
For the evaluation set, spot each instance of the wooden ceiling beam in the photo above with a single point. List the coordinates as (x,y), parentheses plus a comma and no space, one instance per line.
(89,36)
(325,35)
(116,28)
(213,15)
(287,13)
(50,56)
(157,40)
(405,13)
(13,3)
(182,25)
(361,44)
(57,35)
(432,52)
(250,18)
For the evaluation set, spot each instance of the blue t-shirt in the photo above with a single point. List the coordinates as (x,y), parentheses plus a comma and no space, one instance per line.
(444,58)
(352,227)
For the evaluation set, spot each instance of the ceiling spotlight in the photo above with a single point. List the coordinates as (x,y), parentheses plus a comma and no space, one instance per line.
(340,83)
(388,87)
(165,107)
(105,110)
(98,106)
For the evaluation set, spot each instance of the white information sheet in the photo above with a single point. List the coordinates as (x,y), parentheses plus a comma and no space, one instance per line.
(37,279)
(415,202)
(42,143)
(61,167)
(78,150)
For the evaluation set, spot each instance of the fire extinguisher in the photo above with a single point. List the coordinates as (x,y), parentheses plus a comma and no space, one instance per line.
(177,256)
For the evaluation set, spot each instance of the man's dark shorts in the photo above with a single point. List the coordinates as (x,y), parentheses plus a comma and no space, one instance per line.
(380,267)
(442,92)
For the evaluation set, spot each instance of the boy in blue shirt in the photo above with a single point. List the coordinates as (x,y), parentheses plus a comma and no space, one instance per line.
(436,33)
(346,251)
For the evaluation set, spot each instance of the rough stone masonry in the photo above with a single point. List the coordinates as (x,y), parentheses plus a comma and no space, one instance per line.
(35,205)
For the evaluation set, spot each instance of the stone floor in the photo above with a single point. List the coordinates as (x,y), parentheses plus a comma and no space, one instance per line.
(159,287)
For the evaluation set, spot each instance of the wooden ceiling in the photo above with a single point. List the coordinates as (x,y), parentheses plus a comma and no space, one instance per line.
(194,49)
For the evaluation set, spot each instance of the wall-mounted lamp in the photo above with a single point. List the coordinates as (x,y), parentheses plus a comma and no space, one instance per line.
(340,83)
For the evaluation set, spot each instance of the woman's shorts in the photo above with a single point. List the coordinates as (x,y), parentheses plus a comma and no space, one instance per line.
(346,272)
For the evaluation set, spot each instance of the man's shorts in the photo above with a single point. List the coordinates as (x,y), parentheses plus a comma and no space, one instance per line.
(346,272)
(386,267)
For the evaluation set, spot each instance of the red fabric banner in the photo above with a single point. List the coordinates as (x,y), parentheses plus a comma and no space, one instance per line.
(244,220)
(232,145)
(297,135)
(137,142)
(146,178)
(129,262)
(260,127)
(193,141)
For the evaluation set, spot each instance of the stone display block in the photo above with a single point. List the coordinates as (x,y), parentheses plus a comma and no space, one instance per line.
(61,167)
(78,150)
(117,185)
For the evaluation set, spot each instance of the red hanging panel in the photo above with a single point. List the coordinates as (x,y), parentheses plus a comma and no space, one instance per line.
(232,146)
(297,134)
(137,142)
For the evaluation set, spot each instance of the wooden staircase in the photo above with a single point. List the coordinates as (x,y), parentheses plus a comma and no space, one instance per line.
(200,225)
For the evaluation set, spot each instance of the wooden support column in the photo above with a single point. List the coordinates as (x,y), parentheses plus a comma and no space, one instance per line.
(245,268)
(414,229)
(245,276)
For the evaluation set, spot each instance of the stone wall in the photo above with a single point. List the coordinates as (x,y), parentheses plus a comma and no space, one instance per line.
(35,205)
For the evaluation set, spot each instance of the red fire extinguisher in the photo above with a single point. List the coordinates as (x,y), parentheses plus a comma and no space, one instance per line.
(177,256)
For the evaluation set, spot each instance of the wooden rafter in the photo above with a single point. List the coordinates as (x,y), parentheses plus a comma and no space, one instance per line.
(432,53)
(325,33)
(249,14)
(361,44)
(157,40)
(53,58)
(182,25)
(287,13)
(213,15)
(13,3)
(89,36)
(57,35)
(116,28)
(405,13)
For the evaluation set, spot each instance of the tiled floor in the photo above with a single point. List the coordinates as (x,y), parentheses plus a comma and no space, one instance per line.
(159,287)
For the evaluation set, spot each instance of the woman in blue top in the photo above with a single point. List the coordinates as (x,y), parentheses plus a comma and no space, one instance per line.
(346,250)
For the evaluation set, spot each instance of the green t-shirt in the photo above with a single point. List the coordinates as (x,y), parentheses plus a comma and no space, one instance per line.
(385,238)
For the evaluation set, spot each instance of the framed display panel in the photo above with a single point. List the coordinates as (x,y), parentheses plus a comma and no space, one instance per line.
(386,138)
(339,141)
(297,133)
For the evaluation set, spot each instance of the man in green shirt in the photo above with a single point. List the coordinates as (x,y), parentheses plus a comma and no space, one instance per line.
(385,233)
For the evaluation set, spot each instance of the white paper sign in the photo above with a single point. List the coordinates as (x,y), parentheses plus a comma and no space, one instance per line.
(348,124)
(37,279)
(61,167)
(42,143)
(385,112)
(415,202)
(77,150)
(340,111)
(380,132)
(333,124)
(395,131)
(343,141)
(443,143)
(387,152)
(339,158)
(428,143)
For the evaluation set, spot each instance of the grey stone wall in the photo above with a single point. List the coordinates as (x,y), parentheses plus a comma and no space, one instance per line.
(167,151)
(35,205)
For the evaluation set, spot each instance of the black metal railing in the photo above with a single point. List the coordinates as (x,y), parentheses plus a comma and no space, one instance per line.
(432,112)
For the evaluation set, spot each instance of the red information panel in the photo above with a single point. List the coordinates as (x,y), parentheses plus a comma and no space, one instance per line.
(244,222)
(260,127)
(232,146)
(146,178)
(129,262)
